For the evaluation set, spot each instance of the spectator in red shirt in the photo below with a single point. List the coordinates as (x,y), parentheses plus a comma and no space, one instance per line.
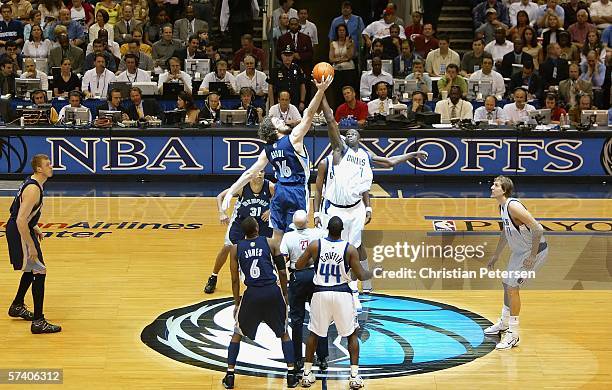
(352,107)
(248,48)
(416,27)
(555,110)
(425,42)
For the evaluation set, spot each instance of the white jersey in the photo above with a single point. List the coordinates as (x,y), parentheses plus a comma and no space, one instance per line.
(295,242)
(331,268)
(518,237)
(349,179)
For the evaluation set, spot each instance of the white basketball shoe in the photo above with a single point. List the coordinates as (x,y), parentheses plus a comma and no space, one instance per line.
(356,382)
(496,328)
(308,380)
(508,341)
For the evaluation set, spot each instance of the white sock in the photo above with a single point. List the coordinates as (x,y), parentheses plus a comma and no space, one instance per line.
(514,325)
(354,370)
(307,367)
(505,315)
(213,274)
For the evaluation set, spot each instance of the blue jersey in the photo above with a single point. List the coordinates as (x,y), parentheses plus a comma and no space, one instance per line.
(290,167)
(255,262)
(252,204)
(34,215)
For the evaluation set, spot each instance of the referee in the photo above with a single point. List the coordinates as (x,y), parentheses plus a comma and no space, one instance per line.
(301,287)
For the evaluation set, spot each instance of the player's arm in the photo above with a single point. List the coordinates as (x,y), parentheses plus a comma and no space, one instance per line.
(388,162)
(299,132)
(222,216)
(501,244)
(265,216)
(306,257)
(356,268)
(281,266)
(29,196)
(318,196)
(259,165)
(235,275)
(519,212)
(365,197)
(333,131)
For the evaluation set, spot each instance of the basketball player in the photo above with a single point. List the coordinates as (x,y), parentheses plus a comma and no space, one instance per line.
(347,176)
(332,300)
(301,287)
(253,200)
(259,260)
(285,150)
(528,250)
(23,237)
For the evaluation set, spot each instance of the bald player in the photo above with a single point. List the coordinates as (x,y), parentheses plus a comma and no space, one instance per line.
(301,287)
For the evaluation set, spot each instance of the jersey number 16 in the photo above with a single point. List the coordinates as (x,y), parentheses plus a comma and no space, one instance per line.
(284,170)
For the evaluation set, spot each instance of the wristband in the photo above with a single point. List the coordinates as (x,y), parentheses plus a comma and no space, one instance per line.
(368,209)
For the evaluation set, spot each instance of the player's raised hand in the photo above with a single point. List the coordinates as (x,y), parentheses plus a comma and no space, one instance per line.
(325,82)
(422,155)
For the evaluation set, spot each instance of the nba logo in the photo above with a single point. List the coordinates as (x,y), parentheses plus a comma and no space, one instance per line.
(444,226)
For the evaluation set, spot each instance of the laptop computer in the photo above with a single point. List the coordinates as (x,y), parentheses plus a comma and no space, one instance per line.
(387,65)
(123,86)
(221,88)
(23,86)
(148,88)
(41,64)
(545,114)
(234,117)
(599,117)
(201,66)
(114,115)
(174,117)
(172,89)
(476,87)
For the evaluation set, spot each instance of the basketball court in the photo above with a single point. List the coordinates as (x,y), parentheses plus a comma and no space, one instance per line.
(126,271)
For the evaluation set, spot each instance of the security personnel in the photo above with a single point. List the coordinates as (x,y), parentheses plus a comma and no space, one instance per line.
(301,286)
(289,77)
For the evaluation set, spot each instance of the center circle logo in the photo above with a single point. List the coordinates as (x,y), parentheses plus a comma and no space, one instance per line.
(399,336)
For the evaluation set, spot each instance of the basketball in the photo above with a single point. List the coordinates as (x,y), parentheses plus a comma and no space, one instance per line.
(322,69)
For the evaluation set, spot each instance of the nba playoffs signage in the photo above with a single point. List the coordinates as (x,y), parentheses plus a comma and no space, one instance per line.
(104,153)
(415,335)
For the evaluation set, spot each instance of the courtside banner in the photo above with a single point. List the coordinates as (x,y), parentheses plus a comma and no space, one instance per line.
(110,152)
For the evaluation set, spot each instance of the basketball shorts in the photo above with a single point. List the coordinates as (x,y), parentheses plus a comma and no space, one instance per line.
(18,251)
(353,219)
(332,306)
(516,264)
(234,232)
(262,304)
(286,201)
